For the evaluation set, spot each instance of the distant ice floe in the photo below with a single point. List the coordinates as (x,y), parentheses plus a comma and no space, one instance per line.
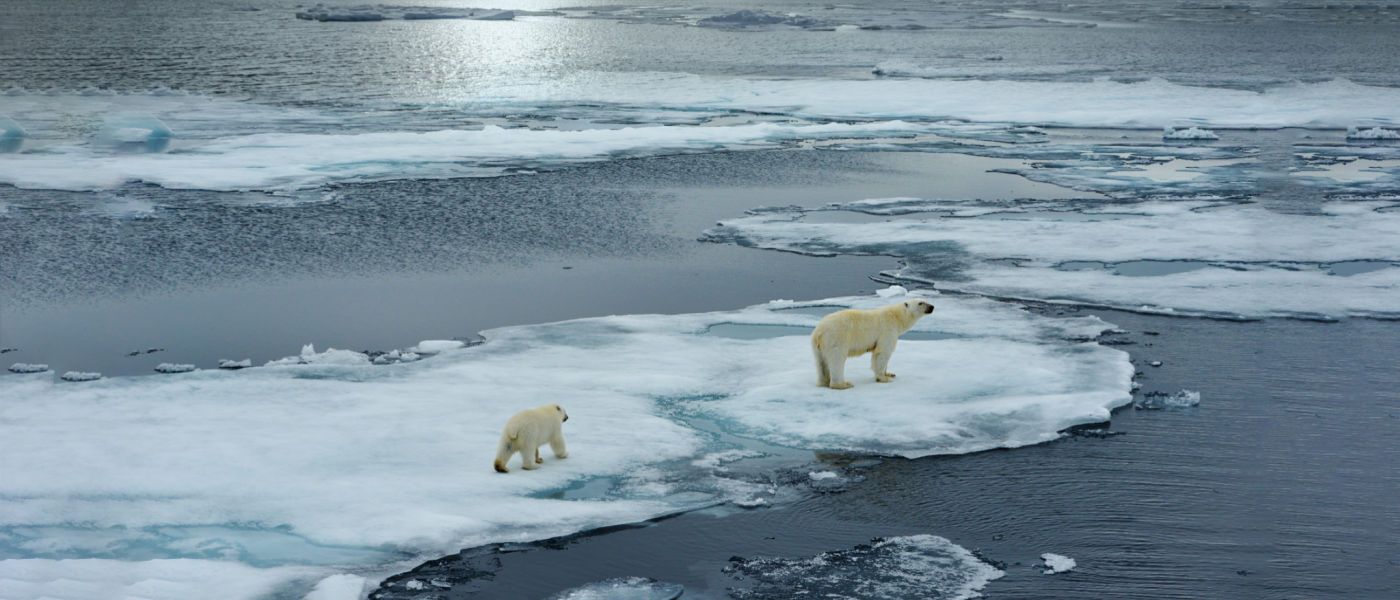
(917,566)
(272,162)
(28,368)
(233,365)
(1188,133)
(1199,258)
(1056,563)
(981,68)
(1374,133)
(1370,170)
(135,134)
(80,376)
(208,502)
(172,368)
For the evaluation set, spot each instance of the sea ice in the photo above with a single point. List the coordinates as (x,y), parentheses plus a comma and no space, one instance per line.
(11,135)
(28,368)
(135,134)
(1254,262)
(1188,133)
(436,346)
(80,376)
(225,363)
(751,19)
(917,566)
(354,461)
(1055,563)
(176,368)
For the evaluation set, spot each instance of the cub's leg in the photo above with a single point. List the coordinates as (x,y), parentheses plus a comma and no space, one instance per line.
(556,443)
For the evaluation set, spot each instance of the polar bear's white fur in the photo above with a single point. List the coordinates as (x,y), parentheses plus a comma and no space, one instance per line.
(527,431)
(853,332)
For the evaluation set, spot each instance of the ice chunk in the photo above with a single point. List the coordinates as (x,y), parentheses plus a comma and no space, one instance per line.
(1188,133)
(309,356)
(892,291)
(623,588)
(175,368)
(919,566)
(225,363)
(820,475)
(751,19)
(436,346)
(11,135)
(1163,400)
(28,368)
(79,376)
(135,134)
(1055,563)
(1374,133)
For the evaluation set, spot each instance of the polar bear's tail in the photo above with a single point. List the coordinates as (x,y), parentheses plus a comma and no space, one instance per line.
(504,451)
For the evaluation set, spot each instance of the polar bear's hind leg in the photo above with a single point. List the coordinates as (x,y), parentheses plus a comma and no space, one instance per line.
(823,374)
(836,367)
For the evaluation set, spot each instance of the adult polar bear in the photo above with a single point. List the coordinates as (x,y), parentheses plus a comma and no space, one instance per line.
(527,431)
(853,332)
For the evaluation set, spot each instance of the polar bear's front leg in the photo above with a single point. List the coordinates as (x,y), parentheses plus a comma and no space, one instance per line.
(880,360)
(556,443)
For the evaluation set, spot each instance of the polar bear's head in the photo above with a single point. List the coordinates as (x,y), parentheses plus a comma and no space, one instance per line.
(918,308)
(563,416)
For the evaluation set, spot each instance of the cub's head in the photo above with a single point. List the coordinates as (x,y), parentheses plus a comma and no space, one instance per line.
(918,308)
(559,411)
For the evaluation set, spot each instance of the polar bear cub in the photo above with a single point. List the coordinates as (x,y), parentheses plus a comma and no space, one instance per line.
(527,431)
(853,332)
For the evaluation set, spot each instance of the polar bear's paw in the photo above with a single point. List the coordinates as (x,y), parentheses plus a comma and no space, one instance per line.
(539,460)
(844,385)
(886,378)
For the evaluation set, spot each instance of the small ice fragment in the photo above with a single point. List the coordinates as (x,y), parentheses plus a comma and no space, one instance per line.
(436,346)
(225,363)
(28,368)
(1155,363)
(415,584)
(751,503)
(135,134)
(1189,133)
(892,291)
(174,368)
(76,376)
(11,135)
(820,475)
(1374,133)
(1056,563)
(409,357)
(1163,400)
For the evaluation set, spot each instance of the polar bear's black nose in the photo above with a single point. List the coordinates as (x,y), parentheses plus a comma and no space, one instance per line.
(929,309)
(566,417)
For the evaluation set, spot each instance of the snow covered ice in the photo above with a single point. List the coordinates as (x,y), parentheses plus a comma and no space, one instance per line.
(623,588)
(1188,133)
(1210,258)
(336,481)
(1373,133)
(1056,563)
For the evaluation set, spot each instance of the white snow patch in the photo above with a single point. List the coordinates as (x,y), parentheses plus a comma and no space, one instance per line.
(343,586)
(1055,563)
(436,346)
(161,579)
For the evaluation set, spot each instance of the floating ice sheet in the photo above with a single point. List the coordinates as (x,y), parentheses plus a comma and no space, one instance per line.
(339,462)
(1258,262)
(1057,563)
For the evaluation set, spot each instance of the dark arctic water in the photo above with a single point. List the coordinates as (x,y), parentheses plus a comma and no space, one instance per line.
(1279,485)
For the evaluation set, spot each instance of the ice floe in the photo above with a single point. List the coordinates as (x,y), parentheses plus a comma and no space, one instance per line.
(1198,257)
(355,465)
(233,365)
(170,368)
(1056,563)
(299,161)
(11,135)
(28,368)
(1164,400)
(381,12)
(916,566)
(160,579)
(80,376)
